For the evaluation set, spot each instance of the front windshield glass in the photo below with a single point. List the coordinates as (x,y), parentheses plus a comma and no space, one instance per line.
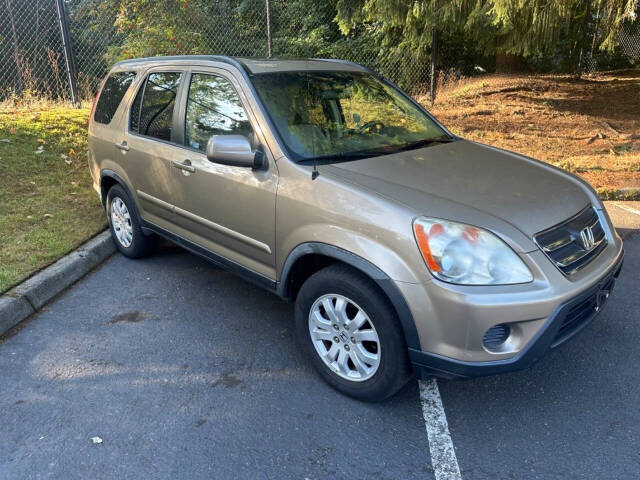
(342,115)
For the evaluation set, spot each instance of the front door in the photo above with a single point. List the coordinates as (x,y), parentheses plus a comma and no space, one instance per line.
(228,210)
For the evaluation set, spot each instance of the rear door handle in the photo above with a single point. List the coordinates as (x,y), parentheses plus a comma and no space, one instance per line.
(123,146)
(186,166)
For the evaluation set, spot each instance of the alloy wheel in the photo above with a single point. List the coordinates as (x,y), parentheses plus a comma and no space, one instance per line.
(121,221)
(344,337)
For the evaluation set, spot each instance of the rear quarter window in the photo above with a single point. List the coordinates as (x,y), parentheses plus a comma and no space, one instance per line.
(112,93)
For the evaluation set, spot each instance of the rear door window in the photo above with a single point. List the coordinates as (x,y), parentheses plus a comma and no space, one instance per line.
(152,109)
(111,95)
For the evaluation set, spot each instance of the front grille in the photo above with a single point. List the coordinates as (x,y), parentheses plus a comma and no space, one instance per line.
(575,242)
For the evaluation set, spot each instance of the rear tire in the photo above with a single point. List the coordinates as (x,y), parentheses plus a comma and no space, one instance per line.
(125,228)
(369,362)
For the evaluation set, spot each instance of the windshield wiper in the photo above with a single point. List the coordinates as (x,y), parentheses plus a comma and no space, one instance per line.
(426,142)
(341,157)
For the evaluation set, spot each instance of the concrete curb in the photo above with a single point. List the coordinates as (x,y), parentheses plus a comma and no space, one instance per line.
(32,294)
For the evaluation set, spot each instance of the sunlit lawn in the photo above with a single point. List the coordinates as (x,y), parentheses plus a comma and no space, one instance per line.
(47,204)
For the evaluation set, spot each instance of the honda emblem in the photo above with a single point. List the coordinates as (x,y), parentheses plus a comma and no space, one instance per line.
(586,236)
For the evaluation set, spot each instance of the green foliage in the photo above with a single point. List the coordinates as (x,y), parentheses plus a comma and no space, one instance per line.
(390,36)
(527,28)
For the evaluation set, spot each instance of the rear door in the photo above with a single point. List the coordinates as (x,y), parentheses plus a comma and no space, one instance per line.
(104,127)
(227,209)
(149,143)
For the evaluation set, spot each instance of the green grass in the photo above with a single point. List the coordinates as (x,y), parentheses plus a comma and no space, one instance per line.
(47,204)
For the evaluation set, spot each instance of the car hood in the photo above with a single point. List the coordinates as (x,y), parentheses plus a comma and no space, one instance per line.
(466,181)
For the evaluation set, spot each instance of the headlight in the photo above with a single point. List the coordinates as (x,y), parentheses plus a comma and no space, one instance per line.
(459,253)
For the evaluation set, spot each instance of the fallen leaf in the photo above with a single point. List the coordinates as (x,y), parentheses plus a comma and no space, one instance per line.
(5,140)
(48,215)
(63,156)
(41,140)
(39,151)
(32,183)
(29,217)
(75,184)
(72,152)
(68,162)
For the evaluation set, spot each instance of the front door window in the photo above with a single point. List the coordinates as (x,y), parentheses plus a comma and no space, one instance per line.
(213,108)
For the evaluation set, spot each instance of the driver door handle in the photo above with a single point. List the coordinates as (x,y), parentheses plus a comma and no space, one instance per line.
(122,146)
(186,166)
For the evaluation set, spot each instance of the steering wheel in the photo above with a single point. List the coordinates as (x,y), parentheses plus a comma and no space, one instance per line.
(377,124)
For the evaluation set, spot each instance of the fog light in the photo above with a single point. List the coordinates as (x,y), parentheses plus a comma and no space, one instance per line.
(496,336)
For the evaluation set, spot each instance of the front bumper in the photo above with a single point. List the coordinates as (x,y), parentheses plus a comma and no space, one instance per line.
(568,319)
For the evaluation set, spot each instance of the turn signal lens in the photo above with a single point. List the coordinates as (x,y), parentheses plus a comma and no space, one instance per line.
(423,242)
(468,255)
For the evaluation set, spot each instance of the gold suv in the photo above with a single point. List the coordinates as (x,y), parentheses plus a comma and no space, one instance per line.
(404,247)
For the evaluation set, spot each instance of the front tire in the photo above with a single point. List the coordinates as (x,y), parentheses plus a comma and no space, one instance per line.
(351,334)
(124,225)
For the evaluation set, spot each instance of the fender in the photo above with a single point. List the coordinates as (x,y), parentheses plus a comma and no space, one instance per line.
(378,276)
(111,174)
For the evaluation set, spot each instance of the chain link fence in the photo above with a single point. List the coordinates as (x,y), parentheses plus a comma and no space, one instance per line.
(32,54)
(100,32)
(31,51)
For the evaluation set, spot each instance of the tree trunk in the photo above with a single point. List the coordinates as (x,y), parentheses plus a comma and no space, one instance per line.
(595,29)
(509,63)
(585,25)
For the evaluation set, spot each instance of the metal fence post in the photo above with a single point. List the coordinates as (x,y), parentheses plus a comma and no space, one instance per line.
(434,54)
(68,52)
(268,6)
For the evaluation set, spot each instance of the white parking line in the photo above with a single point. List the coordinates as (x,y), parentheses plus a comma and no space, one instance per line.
(443,456)
(628,209)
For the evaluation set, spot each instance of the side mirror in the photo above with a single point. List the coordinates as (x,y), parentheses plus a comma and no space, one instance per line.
(234,150)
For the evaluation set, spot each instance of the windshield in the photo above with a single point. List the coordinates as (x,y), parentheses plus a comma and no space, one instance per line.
(342,115)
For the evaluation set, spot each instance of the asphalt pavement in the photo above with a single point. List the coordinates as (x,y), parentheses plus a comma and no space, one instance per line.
(177,369)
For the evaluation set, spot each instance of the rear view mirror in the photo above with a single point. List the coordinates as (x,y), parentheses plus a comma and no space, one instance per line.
(234,150)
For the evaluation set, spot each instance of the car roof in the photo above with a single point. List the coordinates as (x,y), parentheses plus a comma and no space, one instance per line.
(250,65)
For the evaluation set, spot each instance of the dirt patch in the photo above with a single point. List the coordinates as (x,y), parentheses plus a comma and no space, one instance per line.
(590,127)
(228,380)
(129,317)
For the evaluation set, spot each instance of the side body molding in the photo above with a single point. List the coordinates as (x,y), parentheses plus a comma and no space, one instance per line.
(378,276)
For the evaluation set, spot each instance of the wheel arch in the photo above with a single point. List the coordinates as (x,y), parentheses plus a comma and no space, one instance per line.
(109,178)
(323,255)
